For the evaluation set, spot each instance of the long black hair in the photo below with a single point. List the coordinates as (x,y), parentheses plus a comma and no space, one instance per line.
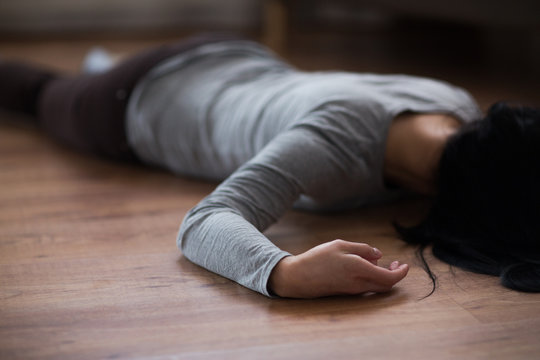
(486,214)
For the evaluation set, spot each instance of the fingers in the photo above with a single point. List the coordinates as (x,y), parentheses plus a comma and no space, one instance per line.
(386,278)
(394,265)
(371,277)
(363,267)
(360,249)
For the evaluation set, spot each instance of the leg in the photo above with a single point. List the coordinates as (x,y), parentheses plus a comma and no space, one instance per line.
(21,85)
(87,112)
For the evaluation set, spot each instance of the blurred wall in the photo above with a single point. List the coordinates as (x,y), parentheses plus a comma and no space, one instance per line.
(83,15)
(19,16)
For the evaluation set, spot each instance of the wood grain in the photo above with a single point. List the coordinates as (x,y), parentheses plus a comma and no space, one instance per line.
(89,270)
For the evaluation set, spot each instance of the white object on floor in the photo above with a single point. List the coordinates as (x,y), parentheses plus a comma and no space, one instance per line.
(98,60)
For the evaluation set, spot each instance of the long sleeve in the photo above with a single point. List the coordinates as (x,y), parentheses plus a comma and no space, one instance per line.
(318,159)
(223,232)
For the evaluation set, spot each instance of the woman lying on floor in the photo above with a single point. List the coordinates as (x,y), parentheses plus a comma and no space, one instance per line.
(227,109)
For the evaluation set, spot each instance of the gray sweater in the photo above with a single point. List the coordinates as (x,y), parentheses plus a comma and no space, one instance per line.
(277,136)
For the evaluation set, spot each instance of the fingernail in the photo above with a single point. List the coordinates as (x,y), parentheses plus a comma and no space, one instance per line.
(394,265)
(402,266)
(377,252)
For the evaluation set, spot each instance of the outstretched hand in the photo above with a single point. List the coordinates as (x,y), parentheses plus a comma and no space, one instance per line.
(334,268)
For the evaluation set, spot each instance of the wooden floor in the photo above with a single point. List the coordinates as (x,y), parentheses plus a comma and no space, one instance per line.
(89,268)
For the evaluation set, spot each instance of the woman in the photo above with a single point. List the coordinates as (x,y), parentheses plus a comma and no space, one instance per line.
(227,109)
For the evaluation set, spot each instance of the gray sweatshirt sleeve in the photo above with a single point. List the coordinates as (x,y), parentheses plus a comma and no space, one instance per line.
(223,232)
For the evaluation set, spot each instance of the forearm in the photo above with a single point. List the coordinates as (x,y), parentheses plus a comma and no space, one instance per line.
(226,244)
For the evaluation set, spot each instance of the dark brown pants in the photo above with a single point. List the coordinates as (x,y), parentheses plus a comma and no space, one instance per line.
(88,112)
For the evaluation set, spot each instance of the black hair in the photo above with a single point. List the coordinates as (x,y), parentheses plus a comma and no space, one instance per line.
(486,215)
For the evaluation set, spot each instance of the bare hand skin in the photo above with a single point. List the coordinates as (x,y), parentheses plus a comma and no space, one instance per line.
(335,268)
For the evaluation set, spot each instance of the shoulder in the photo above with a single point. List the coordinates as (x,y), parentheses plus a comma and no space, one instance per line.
(428,95)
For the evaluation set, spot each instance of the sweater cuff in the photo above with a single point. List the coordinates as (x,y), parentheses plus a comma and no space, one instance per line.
(265,290)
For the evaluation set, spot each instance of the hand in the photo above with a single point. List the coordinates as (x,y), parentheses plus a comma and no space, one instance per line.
(334,268)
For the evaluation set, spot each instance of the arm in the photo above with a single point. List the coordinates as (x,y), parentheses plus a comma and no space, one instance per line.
(223,232)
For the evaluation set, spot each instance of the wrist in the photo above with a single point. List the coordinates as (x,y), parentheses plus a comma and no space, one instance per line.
(281,282)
